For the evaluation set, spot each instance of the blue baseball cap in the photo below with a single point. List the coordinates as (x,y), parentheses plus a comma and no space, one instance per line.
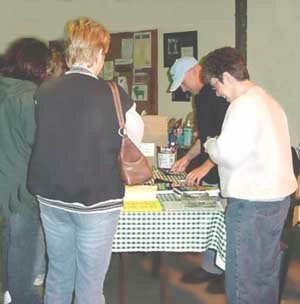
(179,68)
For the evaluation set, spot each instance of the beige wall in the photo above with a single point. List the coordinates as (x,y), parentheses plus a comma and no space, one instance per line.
(274,53)
(213,19)
(273,37)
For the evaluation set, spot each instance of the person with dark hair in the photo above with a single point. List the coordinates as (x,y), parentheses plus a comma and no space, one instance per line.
(25,59)
(56,65)
(24,68)
(1,61)
(253,154)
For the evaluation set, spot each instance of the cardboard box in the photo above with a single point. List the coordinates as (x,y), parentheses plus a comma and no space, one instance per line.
(155,134)
(298,189)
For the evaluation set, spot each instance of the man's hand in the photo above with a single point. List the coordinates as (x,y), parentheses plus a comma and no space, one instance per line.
(180,165)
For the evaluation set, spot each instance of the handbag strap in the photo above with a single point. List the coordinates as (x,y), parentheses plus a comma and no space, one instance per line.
(118,105)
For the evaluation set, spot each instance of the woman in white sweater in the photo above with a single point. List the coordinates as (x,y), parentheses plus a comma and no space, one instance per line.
(255,165)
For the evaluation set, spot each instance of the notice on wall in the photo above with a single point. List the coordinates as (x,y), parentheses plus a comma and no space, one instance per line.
(139,76)
(122,82)
(139,92)
(123,61)
(187,51)
(127,48)
(108,70)
(142,50)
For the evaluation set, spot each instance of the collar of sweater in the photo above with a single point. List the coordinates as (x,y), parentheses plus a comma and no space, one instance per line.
(81,69)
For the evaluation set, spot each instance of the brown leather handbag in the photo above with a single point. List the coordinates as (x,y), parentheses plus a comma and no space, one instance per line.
(134,166)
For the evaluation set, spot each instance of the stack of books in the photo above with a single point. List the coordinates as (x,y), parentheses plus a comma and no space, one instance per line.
(141,199)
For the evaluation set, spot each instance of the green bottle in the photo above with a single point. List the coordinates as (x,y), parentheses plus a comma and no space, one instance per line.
(187,133)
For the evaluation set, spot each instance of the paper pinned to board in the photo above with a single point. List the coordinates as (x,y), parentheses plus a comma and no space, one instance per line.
(122,81)
(127,48)
(142,50)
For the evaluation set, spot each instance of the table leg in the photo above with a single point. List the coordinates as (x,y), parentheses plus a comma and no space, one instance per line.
(123,278)
(156,263)
(164,291)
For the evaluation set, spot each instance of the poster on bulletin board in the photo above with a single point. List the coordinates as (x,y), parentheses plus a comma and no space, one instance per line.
(180,44)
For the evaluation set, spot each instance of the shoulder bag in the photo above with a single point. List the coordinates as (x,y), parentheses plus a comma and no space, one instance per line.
(134,166)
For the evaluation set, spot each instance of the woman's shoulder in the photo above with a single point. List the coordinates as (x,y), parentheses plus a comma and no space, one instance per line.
(17,86)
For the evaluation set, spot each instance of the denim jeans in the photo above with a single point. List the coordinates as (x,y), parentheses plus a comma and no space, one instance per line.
(40,262)
(79,250)
(21,240)
(253,250)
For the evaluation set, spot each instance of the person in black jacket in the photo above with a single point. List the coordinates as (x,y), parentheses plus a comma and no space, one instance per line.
(74,168)
(210,113)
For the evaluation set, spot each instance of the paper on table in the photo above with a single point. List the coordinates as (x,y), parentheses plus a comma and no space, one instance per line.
(142,206)
(193,206)
(141,198)
(140,193)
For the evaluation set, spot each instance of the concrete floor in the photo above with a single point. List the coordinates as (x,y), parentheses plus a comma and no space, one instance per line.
(143,288)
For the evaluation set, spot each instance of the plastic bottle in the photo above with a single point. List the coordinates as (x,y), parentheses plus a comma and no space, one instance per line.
(173,132)
(187,132)
(180,134)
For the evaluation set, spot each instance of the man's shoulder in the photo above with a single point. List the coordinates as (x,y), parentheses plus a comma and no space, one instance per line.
(208,93)
(207,96)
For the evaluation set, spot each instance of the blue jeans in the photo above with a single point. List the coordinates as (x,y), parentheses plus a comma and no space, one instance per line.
(22,236)
(253,250)
(79,250)
(40,261)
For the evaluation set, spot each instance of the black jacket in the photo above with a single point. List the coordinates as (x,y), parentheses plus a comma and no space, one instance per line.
(210,113)
(75,154)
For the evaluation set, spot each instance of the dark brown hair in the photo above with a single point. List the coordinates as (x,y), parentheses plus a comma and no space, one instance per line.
(26,59)
(226,59)
(56,64)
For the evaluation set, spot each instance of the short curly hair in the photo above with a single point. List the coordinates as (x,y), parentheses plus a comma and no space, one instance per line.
(84,39)
(26,59)
(226,59)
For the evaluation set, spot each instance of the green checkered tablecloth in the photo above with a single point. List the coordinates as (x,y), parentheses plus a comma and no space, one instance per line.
(172,231)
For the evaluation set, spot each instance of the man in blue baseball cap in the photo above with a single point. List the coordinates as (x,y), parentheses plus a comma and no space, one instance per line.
(181,68)
(186,73)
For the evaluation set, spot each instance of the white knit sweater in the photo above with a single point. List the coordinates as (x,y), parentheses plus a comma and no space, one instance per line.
(253,151)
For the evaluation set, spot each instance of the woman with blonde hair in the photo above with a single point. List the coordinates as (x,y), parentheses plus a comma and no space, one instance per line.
(74,168)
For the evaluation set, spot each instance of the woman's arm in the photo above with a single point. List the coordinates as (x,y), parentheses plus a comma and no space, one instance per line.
(134,125)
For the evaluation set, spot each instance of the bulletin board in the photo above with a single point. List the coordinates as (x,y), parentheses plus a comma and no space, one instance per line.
(132,62)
